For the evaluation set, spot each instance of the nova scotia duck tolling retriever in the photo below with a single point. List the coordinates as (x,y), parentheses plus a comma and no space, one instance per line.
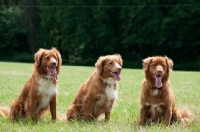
(157,98)
(39,92)
(97,95)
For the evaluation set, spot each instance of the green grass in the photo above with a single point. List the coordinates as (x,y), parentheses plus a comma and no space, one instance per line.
(124,116)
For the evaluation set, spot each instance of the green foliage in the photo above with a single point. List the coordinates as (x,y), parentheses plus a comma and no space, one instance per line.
(12,34)
(83,30)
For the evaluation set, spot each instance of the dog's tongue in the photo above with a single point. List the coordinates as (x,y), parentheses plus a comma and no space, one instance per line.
(55,76)
(116,76)
(52,71)
(158,81)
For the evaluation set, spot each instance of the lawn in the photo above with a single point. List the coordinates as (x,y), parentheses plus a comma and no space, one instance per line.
(124,116)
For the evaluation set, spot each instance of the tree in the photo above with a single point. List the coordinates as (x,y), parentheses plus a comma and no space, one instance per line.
(12,34)
(84,30)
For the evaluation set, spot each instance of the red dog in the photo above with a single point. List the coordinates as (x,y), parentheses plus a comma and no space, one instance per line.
(97,94)
(157,98)
(40,91)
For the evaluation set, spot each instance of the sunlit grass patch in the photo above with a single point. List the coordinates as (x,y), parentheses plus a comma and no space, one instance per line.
(125,113)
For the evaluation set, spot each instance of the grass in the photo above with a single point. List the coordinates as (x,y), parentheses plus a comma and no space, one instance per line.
(124,116)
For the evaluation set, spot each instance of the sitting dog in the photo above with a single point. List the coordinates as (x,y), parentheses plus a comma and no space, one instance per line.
(96,96)
(157,98)
(40,91)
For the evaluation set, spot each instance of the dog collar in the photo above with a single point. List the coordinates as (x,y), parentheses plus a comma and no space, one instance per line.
(107,84)
(154,87)
(46,78)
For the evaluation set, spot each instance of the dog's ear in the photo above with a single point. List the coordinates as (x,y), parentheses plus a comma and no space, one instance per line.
(58,55)
(169,63)
(120,59)
(99,64)
(38,57)
(146,63)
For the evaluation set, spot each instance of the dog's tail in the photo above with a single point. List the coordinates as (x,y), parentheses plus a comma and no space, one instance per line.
(5,112)
(61,116)
(183,116)
(74,112)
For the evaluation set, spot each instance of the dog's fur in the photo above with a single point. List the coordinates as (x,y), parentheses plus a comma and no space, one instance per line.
(40,91)
(157,98)
(4,111)
(96,96)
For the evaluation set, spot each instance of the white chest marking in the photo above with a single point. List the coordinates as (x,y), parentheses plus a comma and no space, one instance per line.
(46,89)
(111,92)
(155,92)
(154,107)
(110,95)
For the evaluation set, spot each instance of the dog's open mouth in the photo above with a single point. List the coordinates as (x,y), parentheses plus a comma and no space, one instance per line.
(52,72)
(158,81)
(114,75)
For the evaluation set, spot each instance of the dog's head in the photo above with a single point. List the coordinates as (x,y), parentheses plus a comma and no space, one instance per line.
(157,69)
(48,62)
(109,66)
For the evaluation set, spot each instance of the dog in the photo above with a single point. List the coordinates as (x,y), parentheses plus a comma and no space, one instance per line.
(157,98)
(96,96)
(40,91)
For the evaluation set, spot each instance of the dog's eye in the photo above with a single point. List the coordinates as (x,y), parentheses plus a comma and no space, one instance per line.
(110,62)
(47,57)
(119,63)
(154,65)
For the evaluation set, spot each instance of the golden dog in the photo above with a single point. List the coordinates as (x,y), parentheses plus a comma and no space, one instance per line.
(97,94)
(157,98)
(40,91)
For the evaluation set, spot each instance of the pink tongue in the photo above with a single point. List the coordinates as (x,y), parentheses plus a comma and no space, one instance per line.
(116,76)
(52,71)
(158,81)
(55,76)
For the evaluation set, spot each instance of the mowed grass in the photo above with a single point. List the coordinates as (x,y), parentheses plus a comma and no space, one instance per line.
(125,113)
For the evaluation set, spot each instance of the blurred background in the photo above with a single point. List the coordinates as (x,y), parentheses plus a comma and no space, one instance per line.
(83,30)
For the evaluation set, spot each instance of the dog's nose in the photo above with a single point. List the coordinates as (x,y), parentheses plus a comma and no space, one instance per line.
(159,69)
(54,63)
(119,69)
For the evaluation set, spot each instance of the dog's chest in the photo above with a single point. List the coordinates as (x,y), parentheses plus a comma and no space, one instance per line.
(111,92)
(153,108)
(106,99)
(46,90)
(155,92)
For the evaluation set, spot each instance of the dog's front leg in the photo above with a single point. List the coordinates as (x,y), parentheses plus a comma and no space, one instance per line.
(168,116)
(31,109)
(53,108)
(143,115)
(108,111)
(88,108)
